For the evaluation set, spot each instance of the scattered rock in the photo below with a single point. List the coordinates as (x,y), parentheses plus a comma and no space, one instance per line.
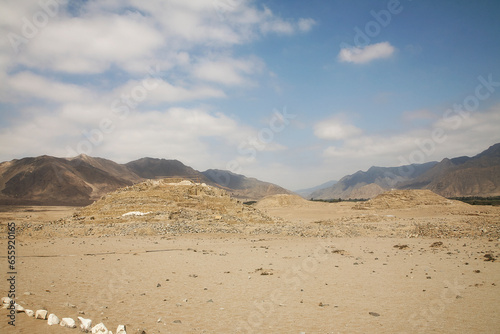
(19,308)
(68,322)
(375,314)
(41,314)
(177,322)
(85,324)
(489,257)
(401,246)
(437,244)
(477,271)
(52,319)
(100,329)
(121,329)
(29,313)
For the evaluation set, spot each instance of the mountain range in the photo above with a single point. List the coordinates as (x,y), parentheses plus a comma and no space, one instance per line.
(457,177)
(47,180)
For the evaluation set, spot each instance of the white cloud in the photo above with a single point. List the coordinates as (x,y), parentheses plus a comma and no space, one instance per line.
(227,71)
(306,24)
(27,85)
(157,90)
(92,45)
(363,55)
(447,137)
(335,129)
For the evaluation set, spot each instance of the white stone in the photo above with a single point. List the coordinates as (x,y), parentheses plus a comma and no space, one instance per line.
(52,320)
(85,324)
(100,329)
(121,330)
(136,213)
(19,308)
(68,322)
(41,314)
(29,313)
(6,300)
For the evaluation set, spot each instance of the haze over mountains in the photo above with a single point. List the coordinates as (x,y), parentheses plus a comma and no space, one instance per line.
(47,180)
(462,176)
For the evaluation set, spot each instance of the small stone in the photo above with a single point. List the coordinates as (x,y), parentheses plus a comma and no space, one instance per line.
(29,313)
(52,319)
(41,314)
(177,322)
(375,314)
(121,329)
(100,329)
(210,301)
(68,322)
(85,324)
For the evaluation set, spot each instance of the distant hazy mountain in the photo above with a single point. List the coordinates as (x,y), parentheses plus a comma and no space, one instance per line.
(47,180)
(242,186)
(462,176)
(306,193)
(372,182)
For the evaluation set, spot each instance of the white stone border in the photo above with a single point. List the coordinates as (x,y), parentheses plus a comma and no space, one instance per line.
(52,319)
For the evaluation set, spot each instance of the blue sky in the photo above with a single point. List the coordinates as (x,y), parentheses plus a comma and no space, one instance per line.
(292,92)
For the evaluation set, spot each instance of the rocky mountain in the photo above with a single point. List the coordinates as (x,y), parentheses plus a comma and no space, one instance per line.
(151,168)
(456,177)
(241,186)
(463,176)
(57,181)
(77,181)
(372,182)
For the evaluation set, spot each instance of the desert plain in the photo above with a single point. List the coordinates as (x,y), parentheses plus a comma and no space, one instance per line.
(405,262)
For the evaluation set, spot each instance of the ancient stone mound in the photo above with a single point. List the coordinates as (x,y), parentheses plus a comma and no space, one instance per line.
(170,200)
(406,199)
(280,201)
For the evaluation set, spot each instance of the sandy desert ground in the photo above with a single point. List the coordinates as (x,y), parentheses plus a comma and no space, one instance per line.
(372,274)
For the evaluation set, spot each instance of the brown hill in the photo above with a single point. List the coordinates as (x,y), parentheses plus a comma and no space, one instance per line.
(81,180)
(281,201)
(372,182)
(407,199)
(457,177)
(460,177)
(170,200)
(56,181)
(152,168)
(241,186)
